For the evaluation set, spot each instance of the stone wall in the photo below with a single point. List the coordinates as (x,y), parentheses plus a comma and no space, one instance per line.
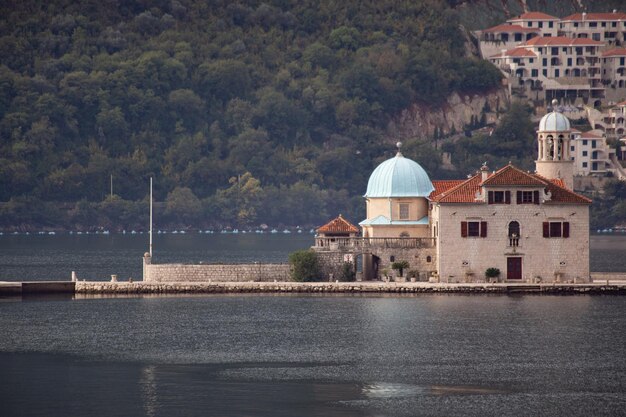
(215,272)
(463,259)
(332,263)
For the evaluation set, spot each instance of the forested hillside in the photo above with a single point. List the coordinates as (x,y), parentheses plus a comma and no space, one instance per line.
(243,112)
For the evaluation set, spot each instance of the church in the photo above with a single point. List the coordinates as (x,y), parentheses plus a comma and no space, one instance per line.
(531,227)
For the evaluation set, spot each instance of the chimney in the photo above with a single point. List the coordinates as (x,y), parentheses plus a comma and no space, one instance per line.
(484,172)
(584,15)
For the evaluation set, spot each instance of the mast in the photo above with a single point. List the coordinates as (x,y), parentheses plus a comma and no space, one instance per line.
(150,217)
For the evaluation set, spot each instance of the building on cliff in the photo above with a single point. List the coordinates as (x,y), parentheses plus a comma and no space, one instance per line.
(578,59)
(530,226)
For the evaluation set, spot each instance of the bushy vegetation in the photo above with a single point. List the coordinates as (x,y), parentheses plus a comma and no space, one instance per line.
(609,207)
(347,274)
(304,266)
(400,266)
(243,112)
(513,140)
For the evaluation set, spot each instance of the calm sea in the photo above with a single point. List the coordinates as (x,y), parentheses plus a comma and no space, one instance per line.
(96,257)
(294,355)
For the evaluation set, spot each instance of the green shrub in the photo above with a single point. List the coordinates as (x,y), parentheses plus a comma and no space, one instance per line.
(492,273)
(304,266)
(347,274)
(400,266)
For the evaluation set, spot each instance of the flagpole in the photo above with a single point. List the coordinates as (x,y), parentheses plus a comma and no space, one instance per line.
(151,217)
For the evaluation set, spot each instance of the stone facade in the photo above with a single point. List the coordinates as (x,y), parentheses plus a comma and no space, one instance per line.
(214,272)
(554,259)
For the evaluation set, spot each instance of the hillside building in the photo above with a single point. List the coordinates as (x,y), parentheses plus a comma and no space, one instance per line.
(530,226)
(576,59)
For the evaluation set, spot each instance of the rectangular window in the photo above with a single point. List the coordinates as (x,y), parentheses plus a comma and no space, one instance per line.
(556,229)
(569,62)
(584,153)
(528,197)
(585,142)
(554,51)
(534,73)
(584,165)
(404,211)
(593,24)
(545,62)
(545,72)
(550,24)
(499,197)
(593,143)
(473,229)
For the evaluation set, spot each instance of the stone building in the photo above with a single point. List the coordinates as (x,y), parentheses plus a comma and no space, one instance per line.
(530,226)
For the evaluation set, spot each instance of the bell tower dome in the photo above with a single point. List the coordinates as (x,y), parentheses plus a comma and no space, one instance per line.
(554,160)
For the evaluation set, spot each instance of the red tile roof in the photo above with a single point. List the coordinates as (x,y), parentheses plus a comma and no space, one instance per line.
(614,52)
(511,29)
(623,103)
(534,16)
(509,175)
(466,191)
(561,194)
(441,186)
(595,16)
(516,52)
(589,135)
(338,225)
(560,41)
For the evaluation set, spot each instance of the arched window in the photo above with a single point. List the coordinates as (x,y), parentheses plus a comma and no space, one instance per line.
(514,233)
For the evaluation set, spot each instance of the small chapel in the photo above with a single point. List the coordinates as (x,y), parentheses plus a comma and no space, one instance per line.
(531,227)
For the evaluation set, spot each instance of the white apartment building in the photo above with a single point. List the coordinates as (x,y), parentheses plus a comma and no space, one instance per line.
(604,27)
(576,59)
(547,24)
(554,68)
(612,122)
(591,154)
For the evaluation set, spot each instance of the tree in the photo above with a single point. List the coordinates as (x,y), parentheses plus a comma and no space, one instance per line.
(183,206)
(400,266)
(304,266)
(240,201)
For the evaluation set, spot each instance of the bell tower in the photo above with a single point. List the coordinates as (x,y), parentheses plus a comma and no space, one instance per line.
(554,159)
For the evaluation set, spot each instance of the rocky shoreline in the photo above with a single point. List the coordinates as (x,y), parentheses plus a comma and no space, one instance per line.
(126,288)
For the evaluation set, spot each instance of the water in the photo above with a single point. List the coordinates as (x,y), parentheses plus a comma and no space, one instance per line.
(297,355)
(96,257)
(314,356)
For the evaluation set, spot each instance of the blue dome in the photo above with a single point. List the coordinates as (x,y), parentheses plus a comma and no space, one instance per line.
(399,177)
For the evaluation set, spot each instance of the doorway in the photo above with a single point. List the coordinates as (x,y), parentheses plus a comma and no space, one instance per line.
(514,268)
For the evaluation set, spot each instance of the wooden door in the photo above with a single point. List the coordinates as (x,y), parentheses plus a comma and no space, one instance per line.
(514,268)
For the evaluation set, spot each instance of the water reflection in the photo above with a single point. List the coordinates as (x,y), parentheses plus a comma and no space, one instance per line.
(147,382)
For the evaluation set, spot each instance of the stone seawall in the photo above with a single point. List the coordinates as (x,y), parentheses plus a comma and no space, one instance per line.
(216,272)
(136,288)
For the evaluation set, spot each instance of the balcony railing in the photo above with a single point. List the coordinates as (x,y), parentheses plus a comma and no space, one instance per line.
(360,243)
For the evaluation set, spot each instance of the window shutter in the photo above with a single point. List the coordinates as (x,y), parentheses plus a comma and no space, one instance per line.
(483,229)
(507,197)
(546,229)
(565,229)
(536,197)
(463,229)
(519,197)
(490,197)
